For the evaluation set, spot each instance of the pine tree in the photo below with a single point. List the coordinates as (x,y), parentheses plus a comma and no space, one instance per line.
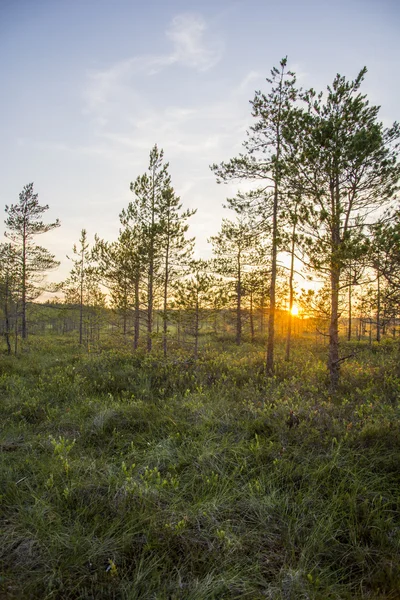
(177,249)
(82,289)
(384,258)
(119,267)
(161,225)
(265,161)
(193,300)
(24,223)
(145,213)
(347,168)
(232,248)
(77,281)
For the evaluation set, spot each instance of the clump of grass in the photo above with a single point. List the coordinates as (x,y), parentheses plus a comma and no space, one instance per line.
(139,477)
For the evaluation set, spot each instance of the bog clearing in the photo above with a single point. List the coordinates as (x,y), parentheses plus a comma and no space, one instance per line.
(129,475)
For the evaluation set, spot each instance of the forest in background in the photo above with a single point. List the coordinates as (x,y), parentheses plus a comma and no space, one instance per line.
(183,429)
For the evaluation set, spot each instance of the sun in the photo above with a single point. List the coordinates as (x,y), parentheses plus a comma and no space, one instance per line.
(295,310)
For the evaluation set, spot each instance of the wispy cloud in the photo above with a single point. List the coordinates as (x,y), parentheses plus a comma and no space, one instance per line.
(149,98)
(74,149)
(247,82)
(192,47)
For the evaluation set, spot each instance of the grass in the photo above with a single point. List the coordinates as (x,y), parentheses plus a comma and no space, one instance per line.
(134,477)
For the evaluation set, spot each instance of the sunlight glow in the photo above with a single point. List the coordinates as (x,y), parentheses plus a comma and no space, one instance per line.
(295,310)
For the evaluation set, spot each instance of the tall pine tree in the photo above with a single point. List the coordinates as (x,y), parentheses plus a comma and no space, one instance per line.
(347,168)
(265,161)
(24,223)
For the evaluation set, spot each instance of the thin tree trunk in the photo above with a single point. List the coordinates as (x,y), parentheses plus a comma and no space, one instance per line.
(272,303)
(378,310)
(124,322)
(81,301)
(166,274)
(150,307)
(196,329)
(262,313)
(350,315)
(333,359)
(125,310)
(136,315)
(333,355)
(16,330)
(7,317)
(271,316)
(289,332)
(239,305)
(150,299)
(251,317)
(24,284)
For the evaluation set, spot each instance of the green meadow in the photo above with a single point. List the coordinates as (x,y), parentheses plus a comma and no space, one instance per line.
(134,476)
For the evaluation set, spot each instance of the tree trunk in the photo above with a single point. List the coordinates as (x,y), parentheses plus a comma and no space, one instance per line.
(289,332)
(262,313)
(378,310)
(239,306)
(251,317)
(136,331)
(196,330)
(165,324)
(271,316)
(24,331)
(7,317)
(333,359)
(81,301)
(124,322)
(16,330)
(150,307)
(150,289)
(333,355)
(350,315)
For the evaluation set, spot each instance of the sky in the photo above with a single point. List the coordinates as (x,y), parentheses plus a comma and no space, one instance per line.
(89,86)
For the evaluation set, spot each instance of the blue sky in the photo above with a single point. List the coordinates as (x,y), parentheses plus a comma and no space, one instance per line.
(89,86)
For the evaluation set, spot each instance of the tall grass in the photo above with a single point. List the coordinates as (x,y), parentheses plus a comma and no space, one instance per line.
(135,477)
